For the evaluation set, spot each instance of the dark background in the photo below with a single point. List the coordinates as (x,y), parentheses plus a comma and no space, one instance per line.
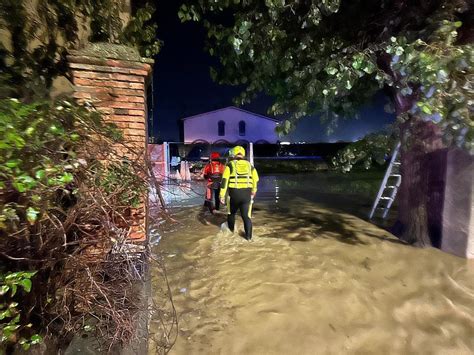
(183,87)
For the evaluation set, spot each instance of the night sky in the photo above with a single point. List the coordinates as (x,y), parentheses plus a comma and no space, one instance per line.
(183,87)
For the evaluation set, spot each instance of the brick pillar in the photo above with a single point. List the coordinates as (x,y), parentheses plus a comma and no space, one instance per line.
(114,79)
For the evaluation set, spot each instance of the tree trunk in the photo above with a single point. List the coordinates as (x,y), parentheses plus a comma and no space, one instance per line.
(422,188)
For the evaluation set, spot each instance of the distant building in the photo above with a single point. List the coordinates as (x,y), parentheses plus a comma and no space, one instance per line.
(229,125)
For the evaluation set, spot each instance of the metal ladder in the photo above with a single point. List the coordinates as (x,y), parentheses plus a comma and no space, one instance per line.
(390,184)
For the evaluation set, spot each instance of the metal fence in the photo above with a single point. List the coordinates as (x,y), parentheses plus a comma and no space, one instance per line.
(185,161)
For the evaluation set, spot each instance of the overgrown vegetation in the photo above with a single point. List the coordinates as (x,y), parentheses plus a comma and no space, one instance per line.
(41,32)
(72,192)
(67,198)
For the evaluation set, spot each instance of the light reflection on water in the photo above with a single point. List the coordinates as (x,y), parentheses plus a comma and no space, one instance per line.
(315,280)
(191,193)
(273,189)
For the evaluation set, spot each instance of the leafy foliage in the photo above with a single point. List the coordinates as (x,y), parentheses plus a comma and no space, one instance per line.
(374,148)
(40,35)
(64,188)
(40,154)
(141,32)
(329,56)
(11,324)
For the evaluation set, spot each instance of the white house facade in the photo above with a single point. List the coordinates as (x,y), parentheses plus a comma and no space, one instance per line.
(229,125)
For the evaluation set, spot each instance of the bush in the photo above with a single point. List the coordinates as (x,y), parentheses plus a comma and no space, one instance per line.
(66,193)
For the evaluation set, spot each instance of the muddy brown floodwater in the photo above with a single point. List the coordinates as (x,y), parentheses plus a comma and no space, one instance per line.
(317,279)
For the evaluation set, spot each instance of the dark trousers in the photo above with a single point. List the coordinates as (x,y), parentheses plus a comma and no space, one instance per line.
(209,193)
(240,199)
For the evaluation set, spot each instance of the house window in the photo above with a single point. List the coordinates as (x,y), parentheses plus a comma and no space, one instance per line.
(241,128)
(221,128)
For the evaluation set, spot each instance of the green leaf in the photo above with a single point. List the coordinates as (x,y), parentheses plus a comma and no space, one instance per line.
(331,70)
(36,339)
(40,174)
(4,289)
(6,314)
(19,186)
(32,215)
(29,131)
(26,284)
(426,109)
(66,178)
(13,292)
(11,328)
(13,163)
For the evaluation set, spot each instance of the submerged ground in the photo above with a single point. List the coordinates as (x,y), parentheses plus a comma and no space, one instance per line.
(317,279)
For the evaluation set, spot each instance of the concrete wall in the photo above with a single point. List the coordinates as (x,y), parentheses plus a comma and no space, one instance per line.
(205,127)
(458,210)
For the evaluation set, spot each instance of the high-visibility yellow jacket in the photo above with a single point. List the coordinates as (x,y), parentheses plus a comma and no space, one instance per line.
(239,174)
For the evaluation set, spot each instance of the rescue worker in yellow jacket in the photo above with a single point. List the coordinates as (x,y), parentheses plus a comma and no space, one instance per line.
(238,189)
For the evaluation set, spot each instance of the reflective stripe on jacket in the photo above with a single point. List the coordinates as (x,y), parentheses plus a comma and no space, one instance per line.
(239,174)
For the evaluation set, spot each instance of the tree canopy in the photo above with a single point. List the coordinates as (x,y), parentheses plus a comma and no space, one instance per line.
(40,33)
(329,56)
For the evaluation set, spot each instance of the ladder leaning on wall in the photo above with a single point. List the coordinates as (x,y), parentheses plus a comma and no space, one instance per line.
(389,187)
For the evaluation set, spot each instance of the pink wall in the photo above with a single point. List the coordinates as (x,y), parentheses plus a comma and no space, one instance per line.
(204,126)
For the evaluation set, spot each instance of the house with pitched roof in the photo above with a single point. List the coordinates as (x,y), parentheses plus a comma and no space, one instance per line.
(229,125)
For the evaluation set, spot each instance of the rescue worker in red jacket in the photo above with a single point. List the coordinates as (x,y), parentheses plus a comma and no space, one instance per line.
(213,174)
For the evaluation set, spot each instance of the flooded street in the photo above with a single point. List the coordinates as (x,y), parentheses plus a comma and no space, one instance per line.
(316,279)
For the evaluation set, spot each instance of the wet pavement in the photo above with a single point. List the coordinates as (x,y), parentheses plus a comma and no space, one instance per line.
(316,279)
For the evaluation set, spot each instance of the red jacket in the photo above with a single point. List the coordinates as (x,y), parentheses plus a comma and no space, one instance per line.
(213,171)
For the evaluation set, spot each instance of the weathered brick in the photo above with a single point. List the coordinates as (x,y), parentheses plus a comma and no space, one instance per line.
(134,132)
(121,111)
(135,138)
(82,95)
(129,92)
(93,89)
(127,105)
(138,99)
(107,69)
(108,76)
(126,64)
(137,113)
(107,83)
(137,125)
(105,110)
(127,118)
(106,93)
(114,63)
(122,125)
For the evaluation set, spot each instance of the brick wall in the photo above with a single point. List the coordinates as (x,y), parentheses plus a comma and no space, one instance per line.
(117,88)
